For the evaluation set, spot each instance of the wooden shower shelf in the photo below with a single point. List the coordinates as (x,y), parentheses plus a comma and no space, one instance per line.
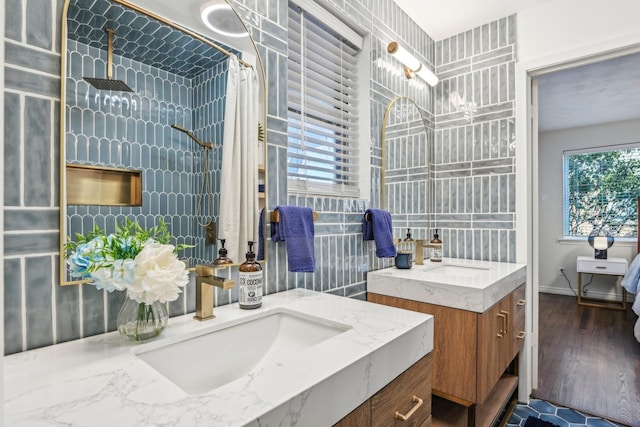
(274,216)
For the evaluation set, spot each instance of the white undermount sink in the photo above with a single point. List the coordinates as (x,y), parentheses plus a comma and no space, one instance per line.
(205,360)
(458,270)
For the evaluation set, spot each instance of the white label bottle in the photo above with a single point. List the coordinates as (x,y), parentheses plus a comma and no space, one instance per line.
(250,282)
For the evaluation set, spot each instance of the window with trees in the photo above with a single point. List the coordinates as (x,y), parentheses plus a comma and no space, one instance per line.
(601,189)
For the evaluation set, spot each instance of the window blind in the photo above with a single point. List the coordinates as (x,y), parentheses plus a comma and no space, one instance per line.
(322,108)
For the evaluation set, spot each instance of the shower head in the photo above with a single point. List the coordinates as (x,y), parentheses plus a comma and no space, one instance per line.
(109,83)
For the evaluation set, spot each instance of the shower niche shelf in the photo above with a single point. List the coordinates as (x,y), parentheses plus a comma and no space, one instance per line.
(101,186)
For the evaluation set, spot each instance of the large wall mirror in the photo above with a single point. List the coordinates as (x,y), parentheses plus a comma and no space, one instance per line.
(144,86)
(405,166)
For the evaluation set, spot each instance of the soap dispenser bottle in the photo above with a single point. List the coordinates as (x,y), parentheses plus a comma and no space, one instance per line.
(222,255)
(250,282)
(408,241)
(436,248)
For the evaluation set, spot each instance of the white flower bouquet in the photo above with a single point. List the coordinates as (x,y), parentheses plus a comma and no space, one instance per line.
(140,261)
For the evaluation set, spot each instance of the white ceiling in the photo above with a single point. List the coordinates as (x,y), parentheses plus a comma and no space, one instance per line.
(446,18)
(187,14)
(602,92)
(598,93)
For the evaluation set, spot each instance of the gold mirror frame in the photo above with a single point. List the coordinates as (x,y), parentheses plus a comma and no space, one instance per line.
(383,142)
(62,133)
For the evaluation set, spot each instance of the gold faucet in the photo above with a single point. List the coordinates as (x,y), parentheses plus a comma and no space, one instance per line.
(419,258)
(420,247)
(205,294)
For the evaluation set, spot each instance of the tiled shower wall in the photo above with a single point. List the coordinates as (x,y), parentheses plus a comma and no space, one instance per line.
(33,298)
(474,153)
(133,130)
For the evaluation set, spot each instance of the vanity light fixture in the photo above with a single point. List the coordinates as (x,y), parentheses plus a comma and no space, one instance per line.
(219,17)
(412,66)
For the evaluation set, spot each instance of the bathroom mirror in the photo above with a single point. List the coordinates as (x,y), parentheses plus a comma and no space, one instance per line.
(404,178)
(143,85)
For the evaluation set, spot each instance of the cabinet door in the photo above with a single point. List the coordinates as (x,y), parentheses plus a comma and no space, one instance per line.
(427,423)
(454,345)
(409,394)
(494,346)
(359,417)
(518,305)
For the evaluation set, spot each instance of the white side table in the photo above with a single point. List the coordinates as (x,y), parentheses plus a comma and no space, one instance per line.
(609,267)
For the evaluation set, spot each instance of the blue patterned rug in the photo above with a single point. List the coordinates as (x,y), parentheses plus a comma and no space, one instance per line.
(561,417)
(537,422)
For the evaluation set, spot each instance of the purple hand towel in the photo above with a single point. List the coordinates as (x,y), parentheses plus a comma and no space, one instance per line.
(379,228)
(296,230)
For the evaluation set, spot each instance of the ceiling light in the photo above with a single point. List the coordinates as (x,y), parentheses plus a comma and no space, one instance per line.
(412,66)
(219,17)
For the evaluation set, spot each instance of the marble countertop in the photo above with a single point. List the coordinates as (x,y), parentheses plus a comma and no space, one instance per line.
(475,288)
(100,381)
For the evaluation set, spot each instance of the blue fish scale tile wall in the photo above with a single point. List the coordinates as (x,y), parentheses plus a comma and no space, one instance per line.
(113,129)
(140,38)
(39,312)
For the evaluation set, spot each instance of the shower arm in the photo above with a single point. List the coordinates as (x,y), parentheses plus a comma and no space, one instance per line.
(192,136)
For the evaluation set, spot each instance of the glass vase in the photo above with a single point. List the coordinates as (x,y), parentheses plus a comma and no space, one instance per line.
(141,322)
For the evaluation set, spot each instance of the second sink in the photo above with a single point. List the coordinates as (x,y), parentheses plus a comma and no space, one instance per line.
(457,270)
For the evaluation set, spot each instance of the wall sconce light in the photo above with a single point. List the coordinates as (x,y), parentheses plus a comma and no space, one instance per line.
(412,66)
(600,244)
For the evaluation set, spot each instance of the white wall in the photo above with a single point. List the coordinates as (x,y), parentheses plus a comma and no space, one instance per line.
(2,227)
(553,252)
(549,34)
(584,27)
(552,33)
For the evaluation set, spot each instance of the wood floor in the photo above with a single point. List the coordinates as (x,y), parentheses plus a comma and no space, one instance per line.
(589,359)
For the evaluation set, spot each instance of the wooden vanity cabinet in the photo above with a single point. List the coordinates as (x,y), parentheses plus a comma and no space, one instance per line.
(518,309)
(409,394)
(494,347)
(472,351)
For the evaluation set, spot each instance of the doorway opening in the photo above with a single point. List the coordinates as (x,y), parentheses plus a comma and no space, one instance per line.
(580,105)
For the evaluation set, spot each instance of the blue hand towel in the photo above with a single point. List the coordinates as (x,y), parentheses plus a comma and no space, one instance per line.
(379,228)
(296,230)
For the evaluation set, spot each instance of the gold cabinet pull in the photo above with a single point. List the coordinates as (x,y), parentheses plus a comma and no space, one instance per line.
(506,321)
(503,322)
(521,335)
(418,403)
(522,302)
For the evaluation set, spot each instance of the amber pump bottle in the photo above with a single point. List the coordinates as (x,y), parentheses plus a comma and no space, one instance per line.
(406,245)
(436,248)
(222,255)
(250,282)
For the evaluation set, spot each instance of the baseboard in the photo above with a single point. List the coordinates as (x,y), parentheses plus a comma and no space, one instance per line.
(590,294)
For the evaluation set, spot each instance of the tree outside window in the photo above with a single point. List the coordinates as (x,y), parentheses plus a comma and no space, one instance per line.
(601,191)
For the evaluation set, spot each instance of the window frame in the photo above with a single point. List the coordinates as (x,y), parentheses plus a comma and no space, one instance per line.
(565,193)
(360,147)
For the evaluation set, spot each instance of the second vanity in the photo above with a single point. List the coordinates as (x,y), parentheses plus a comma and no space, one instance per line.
(478,307)
(331,355)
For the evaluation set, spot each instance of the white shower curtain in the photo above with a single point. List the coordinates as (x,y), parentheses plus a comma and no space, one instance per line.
(239,175)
